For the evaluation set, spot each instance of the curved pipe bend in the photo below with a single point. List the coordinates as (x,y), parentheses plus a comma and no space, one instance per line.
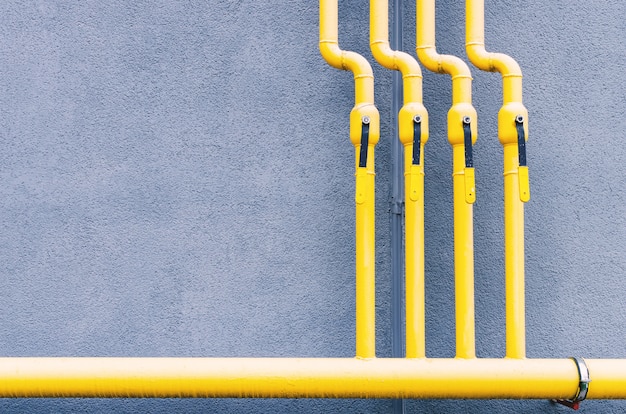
(393,59)
(489,61)
(345,60)
(406,64)
(439,63)
(341,59)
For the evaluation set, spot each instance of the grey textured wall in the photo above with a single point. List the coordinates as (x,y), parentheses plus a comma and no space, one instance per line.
(176,180)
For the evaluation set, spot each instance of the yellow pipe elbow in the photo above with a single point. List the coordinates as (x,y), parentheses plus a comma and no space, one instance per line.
(487,61)
(438,63)
(403,62)
(393,59)
(345,60)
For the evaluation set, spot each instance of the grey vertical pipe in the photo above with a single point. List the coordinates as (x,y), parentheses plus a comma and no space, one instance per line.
(397,205)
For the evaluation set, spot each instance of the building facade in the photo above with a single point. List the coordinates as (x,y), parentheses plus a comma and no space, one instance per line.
(176,179)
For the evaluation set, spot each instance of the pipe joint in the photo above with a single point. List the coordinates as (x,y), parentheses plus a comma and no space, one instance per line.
(429,57)
(345,60)
(395,60)
(332,54)
(403,62)
(507,127)
(492,62)
(456,116)
(357,116)
(406,120)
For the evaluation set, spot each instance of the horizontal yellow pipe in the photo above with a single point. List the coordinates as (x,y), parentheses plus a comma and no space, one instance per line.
(307,378)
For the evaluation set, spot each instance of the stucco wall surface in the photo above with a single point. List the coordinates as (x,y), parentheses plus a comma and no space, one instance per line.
(176,179)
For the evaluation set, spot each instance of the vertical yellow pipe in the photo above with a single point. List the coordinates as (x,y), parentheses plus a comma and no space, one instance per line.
(514,182)
(364,116)
(514,257)
(414,173)
(463,183)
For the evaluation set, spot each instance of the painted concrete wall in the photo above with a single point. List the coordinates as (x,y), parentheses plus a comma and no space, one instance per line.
(176,180)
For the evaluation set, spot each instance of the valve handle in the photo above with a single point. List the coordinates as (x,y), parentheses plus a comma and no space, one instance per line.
(470,179)
(365,133)
(415,183)
(361,172)
(417,139)
(524,181)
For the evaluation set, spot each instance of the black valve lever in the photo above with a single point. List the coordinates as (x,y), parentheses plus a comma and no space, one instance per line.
(467,143)
(521,140)
(470,180)
(365,132)
(524,182)
(417,139)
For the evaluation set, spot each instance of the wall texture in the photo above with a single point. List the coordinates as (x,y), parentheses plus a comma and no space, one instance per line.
(176,180)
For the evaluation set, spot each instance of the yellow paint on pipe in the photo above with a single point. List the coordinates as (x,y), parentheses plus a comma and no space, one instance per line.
(306,378)
(463,259)
(393,59)
(363,109)
(514,257)
(341,59)
(463,178)
(513,187)
(491,62)
(608,378)
(414,174)
(365,261)
(414,262)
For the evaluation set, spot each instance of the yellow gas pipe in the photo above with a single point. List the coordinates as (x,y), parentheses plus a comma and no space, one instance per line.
(413,129)
(364,377)
(307,378)
(364,134)
(462,120)
(512,133)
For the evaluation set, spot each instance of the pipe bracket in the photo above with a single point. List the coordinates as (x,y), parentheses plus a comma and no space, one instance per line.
(583,385)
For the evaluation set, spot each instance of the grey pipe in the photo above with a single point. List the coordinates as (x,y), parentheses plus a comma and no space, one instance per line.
(397,206)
